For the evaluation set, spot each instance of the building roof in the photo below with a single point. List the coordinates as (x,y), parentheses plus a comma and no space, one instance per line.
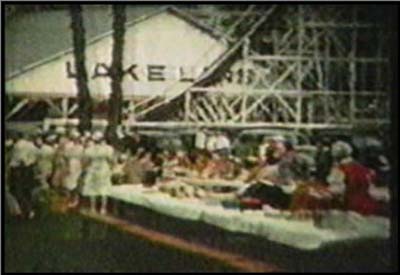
(149,13)
(147,39)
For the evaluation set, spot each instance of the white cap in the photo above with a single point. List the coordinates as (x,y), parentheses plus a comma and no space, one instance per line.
(60,130)
(278,138)
(341,149)
(97,135)
(75,134)
(51,138)
(9,142)
(123,157)
(120,132)
(39,131)
(372,142)
(87,134)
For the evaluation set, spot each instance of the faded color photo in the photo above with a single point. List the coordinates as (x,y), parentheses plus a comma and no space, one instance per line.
(199,138)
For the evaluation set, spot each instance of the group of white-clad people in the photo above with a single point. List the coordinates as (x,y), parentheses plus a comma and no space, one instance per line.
(76,164)
(213,142)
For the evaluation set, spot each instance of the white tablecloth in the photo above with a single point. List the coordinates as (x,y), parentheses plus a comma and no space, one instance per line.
(299,234)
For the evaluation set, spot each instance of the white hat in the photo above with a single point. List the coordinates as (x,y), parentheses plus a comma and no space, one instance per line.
(39,131)
(120,132)
(9,142)
(51,138)
(87,134)
(278,138)
(75,134)
(123,157)
(372,142)
(341,149)
(60,130)
(97,135)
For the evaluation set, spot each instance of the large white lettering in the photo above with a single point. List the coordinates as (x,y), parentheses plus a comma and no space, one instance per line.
(159,72)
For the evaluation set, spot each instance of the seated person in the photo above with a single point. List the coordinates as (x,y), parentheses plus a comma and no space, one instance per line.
(136,167)
(200,163)
(353,181)
(219,167)
(169,162)
(271,166)
(118,170)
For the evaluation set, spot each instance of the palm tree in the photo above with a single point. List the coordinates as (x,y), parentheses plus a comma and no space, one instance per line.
(85,105)
(116,72)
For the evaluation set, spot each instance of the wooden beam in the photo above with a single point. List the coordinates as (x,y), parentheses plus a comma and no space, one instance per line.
(352,68)
(225,104)
(245,54)
(327,67)
(187,110)
(209,109)
(279,80)
(202,114)
(72,109)
(300,73)
(64,107)
(193,117)
(18,107)
(222,115)
(255,125)
(288,93)
(318,58)
(335,25)
(54,107)
(36,95)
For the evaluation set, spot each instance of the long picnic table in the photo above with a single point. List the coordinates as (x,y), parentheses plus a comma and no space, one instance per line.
(299,234)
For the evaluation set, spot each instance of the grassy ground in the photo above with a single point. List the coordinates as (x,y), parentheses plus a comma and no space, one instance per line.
(70,243)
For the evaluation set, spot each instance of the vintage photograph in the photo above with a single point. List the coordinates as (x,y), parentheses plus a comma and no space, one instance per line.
(191,137)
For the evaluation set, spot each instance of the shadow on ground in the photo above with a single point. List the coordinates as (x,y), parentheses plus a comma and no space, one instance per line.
(71,243)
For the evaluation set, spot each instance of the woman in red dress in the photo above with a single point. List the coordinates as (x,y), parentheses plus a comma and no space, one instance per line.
(353,181)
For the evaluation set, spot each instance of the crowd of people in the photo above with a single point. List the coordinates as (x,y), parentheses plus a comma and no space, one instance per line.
(85,165)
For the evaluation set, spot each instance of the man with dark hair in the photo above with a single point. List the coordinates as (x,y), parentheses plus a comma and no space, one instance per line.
(323,159)
(23,181)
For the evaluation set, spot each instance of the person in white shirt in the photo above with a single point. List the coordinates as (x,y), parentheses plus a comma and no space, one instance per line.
(73,155)
(223,145)
(200,140)
(97,180)
(45,158)
(211,143)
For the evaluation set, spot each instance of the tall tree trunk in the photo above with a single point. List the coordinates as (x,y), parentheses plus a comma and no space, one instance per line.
(85,105)
(116,72)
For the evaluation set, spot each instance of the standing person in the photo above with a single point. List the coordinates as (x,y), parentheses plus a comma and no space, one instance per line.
(375,159)
(45,159)
(60,162)
(352,181)
(11,202)
(200,140)
(223,145)
(211,144)
(73,155)
(23,181)
(97,179)
(323,159)
(133,168)
(263,148)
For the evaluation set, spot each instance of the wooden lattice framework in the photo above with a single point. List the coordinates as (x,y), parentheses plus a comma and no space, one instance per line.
(325,69)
